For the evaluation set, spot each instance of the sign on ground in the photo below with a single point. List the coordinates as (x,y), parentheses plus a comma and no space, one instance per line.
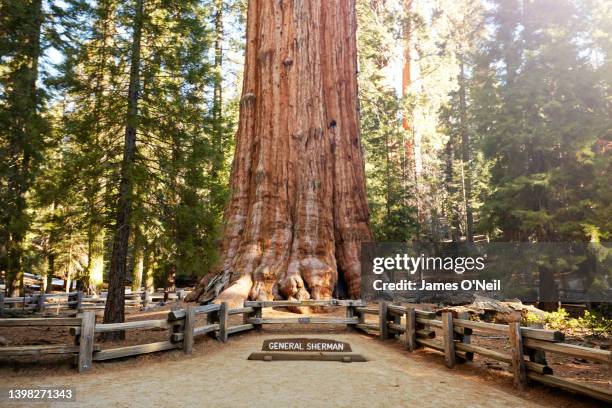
(306,345)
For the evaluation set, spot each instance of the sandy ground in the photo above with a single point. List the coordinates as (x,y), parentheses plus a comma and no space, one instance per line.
(226,378)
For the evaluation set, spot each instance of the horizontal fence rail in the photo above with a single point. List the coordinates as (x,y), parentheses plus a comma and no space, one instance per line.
(76,302)
(528,345)
(526,357)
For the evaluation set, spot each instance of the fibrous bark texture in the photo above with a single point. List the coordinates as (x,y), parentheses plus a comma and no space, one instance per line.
(298,210)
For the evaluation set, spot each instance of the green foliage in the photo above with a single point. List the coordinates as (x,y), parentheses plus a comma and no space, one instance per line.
(596,323)
(542,104)
(183,142)
(559,320)
(390,192)
(507,114)
(593,323)
(531,319)
(22,127)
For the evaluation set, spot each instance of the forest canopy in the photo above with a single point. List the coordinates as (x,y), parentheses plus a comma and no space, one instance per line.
(479,119)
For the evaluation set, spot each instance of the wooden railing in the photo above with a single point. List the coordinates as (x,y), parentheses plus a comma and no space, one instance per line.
(255,317)
(181,326)
(76,302)
(419,329)
(418,326)
(83,348)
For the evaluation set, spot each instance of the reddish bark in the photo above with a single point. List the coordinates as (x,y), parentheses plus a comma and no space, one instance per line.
(298,210)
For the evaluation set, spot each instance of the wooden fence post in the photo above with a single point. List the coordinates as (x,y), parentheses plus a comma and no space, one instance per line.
(258,314)
(361,316)
(518,361)
(410,328)
(464,336)
(188,330)
(41,302)
(397,319)
(1,302)
(449,339)
(86,341)
(382,317)
(79,300)
(350,313)
(223,320)
(536,355)
(212,318)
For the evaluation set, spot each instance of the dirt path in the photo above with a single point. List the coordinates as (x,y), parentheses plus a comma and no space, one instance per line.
(226,378)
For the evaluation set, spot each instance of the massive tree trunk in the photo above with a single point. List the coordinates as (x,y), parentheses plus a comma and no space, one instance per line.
(298,210)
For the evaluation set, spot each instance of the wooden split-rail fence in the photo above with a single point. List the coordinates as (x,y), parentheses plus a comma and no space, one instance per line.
(527,346)
(76,302)
(449,334)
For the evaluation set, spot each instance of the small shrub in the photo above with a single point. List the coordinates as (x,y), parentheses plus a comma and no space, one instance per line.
(532,319)
(560,320)
(591,324)
(596,323)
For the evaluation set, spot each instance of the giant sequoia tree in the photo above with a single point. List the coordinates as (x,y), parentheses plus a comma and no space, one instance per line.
(298,210)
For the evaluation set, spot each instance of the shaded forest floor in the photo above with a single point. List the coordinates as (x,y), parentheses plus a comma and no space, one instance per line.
(220,373)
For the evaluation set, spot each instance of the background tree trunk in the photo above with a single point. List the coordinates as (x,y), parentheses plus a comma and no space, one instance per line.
(147,267)
(298,210)
(114,308)
(466,156)
(21,133)
(138,260)
(217,110)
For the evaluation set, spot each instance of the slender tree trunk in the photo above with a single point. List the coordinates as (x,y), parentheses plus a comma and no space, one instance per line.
(453,213)
(96,259)
(466,167)
(387,175)
(147,268)
(138,260)
(219,130)
(50,271)
(51,251)
(407,68)
(218,90)
(549,294)
(23,98)
(69,268)
(96,231)
(411,146)
(170,281)
(114,309)
(298,211)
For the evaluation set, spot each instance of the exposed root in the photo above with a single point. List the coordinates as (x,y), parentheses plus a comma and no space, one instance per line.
(237,293)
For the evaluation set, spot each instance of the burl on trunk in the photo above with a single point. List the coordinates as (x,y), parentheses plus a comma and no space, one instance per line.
(298,209)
